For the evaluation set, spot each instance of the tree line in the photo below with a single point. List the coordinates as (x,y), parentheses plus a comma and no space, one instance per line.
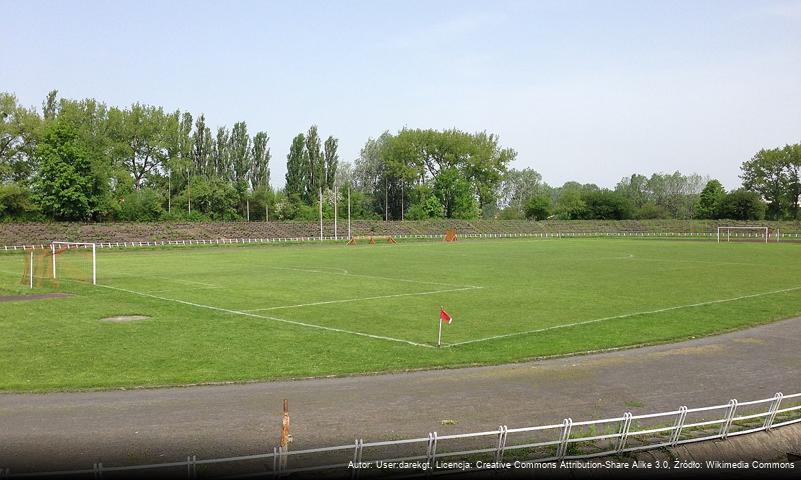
(82,160)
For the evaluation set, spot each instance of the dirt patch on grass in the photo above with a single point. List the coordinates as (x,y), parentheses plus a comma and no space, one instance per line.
(125,318)
(24,298)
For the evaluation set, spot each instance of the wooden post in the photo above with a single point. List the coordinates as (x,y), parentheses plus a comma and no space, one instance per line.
(284,445)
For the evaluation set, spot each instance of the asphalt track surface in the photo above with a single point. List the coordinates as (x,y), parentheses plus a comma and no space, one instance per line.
(121,427)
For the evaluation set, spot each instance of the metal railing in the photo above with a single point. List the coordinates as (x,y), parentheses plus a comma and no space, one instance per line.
(244,241)
(567,440)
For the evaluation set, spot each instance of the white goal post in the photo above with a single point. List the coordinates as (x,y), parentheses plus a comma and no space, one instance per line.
(765,231)
(55,247)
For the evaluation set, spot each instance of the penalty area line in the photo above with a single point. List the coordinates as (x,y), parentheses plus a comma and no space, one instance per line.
(347,300)
(625,315)
(265,317)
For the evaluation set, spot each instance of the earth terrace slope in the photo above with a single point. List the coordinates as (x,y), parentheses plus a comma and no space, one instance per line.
(42,233)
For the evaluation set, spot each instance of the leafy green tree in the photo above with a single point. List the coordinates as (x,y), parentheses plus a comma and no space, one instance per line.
(486,164)
(50,105)
(259,174)
(139,142)
(203,149)
(538,207)
(792,155)
(19,129)
(676,193)
(372,175)
(429,207)
(16,202)
(651,211)
(239,157)
(315,166)
(296,168)
(64,187)
(570,205)
(221,154)
(214,198)
(606,205)
(766,174)
(518,187)
(331,161)
(143,205)
(635,188)
(455,194)
(742,205)
(711,199)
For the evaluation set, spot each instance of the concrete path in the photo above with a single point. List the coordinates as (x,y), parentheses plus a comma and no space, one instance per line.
(73,430)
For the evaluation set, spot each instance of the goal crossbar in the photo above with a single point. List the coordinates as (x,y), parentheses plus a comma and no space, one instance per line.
(729,228)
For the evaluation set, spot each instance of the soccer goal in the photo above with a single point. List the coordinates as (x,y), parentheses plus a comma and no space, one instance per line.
(73,261)
(744,232)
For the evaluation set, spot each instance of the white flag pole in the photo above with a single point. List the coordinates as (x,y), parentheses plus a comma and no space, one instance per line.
(321,214)
(439,335)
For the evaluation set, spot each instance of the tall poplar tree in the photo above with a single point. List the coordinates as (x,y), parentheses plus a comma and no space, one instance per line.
(331,161)
(296,167)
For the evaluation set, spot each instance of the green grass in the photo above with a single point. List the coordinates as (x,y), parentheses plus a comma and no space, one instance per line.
(197,333)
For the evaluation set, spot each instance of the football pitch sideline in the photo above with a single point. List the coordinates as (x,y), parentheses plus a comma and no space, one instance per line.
(237,313)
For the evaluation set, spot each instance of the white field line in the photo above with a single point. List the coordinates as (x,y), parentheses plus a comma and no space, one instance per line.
(347,300)
(265,317)
(179,288)
(421,282)
(191,282)
(626,315)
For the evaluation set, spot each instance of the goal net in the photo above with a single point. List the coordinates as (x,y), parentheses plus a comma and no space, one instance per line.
(72,261)
(752,233)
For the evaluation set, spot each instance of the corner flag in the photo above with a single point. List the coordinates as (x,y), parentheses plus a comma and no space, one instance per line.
(443,318)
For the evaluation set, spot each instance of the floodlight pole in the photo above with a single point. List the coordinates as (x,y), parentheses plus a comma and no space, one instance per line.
(247,208)
(349,235)
(336,236)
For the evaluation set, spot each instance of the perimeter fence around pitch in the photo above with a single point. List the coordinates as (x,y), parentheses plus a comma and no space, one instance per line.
(568,440)
(776,237)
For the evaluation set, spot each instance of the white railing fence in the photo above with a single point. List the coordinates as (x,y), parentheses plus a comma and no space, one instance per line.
(567,440)
(243,241)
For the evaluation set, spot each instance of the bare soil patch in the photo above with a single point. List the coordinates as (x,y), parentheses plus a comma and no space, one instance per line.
(24,298)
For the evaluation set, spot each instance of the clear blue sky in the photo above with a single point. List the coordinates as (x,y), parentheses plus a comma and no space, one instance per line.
(588,91)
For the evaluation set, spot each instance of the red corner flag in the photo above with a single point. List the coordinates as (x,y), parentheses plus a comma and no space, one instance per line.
(443,315)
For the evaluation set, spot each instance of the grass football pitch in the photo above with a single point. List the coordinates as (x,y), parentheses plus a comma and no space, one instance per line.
(241,313)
